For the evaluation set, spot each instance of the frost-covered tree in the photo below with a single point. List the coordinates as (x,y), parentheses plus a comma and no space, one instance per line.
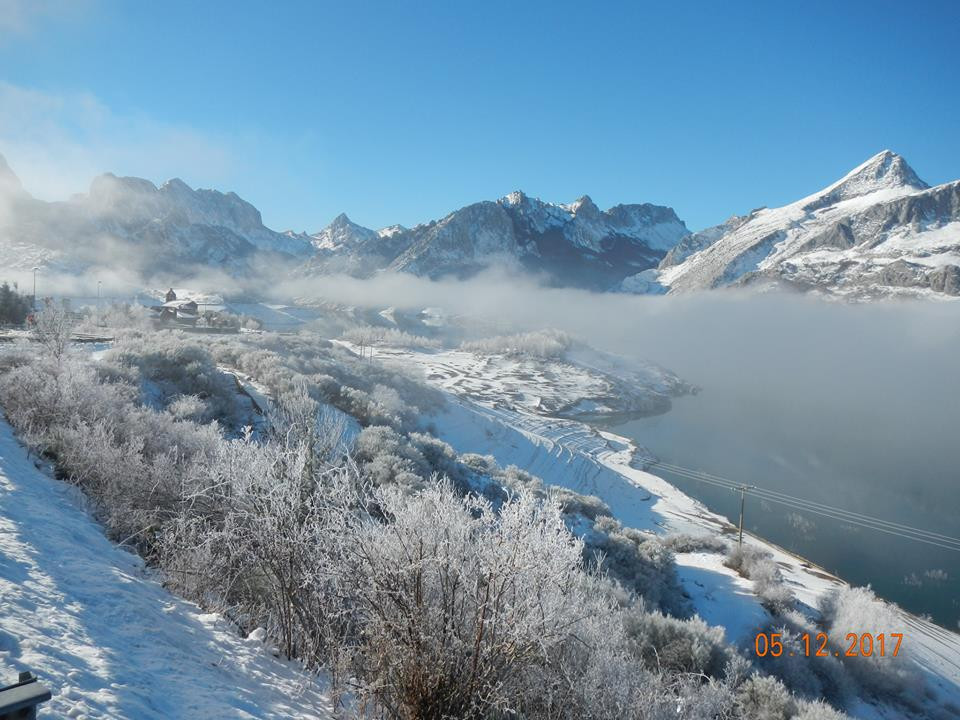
(52,327)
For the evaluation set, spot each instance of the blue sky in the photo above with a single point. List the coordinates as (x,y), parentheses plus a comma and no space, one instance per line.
(403,111)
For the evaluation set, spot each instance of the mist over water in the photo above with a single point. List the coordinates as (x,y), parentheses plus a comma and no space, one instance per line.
(855,406)
(852,406)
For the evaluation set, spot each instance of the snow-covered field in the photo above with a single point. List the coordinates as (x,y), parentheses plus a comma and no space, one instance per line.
(487,415)
(107,638)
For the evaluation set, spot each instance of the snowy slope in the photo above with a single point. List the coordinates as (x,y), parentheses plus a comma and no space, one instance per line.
(483,416)
(104,636)
(583,383)
(878,231)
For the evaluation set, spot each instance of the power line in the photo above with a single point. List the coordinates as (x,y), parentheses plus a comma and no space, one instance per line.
(943,541)
(777,494)
(834,513)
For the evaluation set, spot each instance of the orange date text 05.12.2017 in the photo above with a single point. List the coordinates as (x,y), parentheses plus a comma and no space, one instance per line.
(855,644)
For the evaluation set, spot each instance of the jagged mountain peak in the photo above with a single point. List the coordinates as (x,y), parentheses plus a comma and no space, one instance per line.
(517,197)
(341,232)
(341,220)
(884,171)
(176,184)
(584,206)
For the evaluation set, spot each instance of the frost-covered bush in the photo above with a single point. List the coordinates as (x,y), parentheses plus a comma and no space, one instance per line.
(809,677)
(638,561)
(758,565)
(817,710)
(686,543)
(52,327)
(856,611)
(188,407)
(364,389)
(456,601)
(128,459)
(116,317)
(384,456)
(541,344)
(441,458)
(172,366)
(764,698)
(675,645)
(589,506)
(391,337)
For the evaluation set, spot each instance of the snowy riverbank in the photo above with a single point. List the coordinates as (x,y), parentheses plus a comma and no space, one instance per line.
(482,418)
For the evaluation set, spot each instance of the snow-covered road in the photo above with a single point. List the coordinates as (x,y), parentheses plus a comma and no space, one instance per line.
(109,641)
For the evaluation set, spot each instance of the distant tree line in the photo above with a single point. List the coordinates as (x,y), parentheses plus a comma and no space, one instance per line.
(14,307)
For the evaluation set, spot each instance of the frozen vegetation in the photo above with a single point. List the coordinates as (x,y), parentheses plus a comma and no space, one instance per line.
(311,505)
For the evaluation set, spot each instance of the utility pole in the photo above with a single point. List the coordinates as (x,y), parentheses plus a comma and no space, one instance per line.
(35,287)
(99,312)
(743,492)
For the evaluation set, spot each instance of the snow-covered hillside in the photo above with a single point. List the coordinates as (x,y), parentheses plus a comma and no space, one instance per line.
(580,383)
(878,231)
(493,409)
(104,636)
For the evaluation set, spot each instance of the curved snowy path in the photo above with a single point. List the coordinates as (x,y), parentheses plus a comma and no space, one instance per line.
(106,639)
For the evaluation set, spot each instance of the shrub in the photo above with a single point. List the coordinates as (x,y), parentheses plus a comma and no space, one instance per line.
(541,344)
(764,698)
(638,561)
(455,600)
(817,710)
(857,611)
(758,565)
(685,543)
(673,645)
(809,677)
(391,337)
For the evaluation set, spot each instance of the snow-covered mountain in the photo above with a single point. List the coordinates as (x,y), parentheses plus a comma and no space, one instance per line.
(131,223)
(878,231)
(575,245)
(341,234)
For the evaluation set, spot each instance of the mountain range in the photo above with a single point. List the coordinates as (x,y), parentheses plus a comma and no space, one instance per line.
(878,231)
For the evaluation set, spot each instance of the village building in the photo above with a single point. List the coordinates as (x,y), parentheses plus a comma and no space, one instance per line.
(176,312)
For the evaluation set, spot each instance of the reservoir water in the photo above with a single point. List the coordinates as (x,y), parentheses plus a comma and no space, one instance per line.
(911,482)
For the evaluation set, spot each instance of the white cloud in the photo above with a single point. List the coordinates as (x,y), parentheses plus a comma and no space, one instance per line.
(20,16)
(57,142)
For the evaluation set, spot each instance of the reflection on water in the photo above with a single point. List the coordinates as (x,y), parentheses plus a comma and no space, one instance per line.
(902,482)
